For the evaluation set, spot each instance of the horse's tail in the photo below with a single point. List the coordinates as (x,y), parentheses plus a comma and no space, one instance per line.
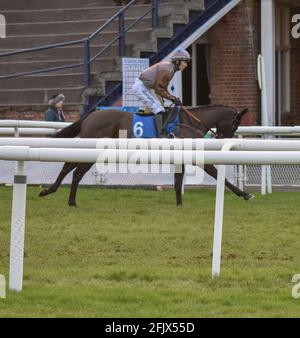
(71,131)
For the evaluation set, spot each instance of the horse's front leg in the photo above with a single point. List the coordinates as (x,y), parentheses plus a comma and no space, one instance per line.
(68,167)
(212,171)
(77,177)
(178,179)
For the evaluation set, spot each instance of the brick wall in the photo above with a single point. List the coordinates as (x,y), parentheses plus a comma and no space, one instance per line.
(235,44)
(293,118)
(37,115)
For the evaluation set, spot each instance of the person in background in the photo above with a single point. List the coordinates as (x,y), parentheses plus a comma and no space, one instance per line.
(55,111)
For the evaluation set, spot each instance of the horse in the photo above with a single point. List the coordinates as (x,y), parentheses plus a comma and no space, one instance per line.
(193,123)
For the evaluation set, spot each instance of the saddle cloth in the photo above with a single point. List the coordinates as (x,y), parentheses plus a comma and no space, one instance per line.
(145,127)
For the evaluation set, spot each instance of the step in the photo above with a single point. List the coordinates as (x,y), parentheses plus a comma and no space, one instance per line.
(19,41)
(73,26)
(49,80)
(180,8)
(61,14)
(93,13)
(7,68)
(39,96)
(66,53)
(38,4)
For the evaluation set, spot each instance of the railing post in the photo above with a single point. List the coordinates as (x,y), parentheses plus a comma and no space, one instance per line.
(154,14)
(86,62)
(121,34)
(16,260)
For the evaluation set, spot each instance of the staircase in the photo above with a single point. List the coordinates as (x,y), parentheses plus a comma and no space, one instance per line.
(32,24)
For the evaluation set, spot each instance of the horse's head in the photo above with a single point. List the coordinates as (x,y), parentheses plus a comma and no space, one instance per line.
(227,126)
(197,121)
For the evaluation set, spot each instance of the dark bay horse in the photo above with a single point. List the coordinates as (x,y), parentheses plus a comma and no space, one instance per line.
(108,123)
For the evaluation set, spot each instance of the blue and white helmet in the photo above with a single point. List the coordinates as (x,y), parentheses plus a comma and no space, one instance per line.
(181,55)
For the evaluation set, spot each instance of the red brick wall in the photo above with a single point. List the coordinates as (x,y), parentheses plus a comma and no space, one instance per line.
(235,44)
(6,114)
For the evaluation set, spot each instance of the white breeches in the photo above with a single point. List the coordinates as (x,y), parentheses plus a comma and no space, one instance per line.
(147,97)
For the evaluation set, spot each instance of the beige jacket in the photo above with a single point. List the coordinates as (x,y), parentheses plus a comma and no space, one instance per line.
(158,77)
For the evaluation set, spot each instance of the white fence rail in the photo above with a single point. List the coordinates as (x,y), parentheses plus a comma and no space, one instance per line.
(251,175)
(278,152)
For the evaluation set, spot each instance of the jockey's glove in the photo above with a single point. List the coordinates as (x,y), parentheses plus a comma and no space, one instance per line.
(177,101)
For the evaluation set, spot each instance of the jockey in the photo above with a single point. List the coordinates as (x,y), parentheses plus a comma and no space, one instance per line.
(157,78)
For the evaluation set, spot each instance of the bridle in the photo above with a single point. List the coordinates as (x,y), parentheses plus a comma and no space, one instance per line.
(195,118)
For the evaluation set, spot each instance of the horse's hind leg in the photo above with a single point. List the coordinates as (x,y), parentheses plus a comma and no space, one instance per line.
(178,186)
(77,176)
(68,167)
(212,171)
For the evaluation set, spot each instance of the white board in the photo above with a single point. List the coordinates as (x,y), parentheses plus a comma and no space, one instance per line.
(132,68)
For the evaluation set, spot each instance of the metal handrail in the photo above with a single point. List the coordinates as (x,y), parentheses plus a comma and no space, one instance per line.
(86,41)
(104,49)
(37,49)
(138,20)
(39,71)
(121,11)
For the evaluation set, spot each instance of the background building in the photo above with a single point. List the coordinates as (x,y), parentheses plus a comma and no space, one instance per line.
(224,37)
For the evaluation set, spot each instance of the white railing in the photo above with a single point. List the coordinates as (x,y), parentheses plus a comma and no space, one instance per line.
(232,151)
(32,124)
(19,128)
(26,127)
(164,144)
(39,127)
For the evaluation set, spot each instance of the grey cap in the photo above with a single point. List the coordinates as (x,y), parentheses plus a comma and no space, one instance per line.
(56,98)
(181,55)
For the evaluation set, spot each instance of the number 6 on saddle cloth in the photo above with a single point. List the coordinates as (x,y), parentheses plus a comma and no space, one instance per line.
(143,126)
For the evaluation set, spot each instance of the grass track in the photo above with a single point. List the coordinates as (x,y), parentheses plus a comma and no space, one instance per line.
(132,253)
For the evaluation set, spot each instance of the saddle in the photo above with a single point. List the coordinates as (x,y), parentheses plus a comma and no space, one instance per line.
(145,112)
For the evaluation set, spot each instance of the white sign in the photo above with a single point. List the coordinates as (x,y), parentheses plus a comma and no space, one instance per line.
(132,68)
(2,27)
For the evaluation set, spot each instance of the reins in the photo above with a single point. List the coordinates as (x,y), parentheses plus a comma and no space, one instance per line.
(195,118)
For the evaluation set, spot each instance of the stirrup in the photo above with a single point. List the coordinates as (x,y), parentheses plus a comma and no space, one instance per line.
(171,135)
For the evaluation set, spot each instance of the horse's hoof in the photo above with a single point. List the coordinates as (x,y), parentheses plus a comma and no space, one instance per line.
(72,204)
(248,197)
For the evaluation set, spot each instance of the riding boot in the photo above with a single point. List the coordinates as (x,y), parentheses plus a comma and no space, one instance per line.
(159,123)
(171,116)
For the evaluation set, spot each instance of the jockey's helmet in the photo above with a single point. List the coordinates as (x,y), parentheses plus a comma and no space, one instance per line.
(181,55)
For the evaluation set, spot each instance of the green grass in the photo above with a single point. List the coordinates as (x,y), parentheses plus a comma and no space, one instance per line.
(133,253)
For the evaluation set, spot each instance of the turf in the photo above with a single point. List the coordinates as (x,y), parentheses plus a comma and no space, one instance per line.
(133,253)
